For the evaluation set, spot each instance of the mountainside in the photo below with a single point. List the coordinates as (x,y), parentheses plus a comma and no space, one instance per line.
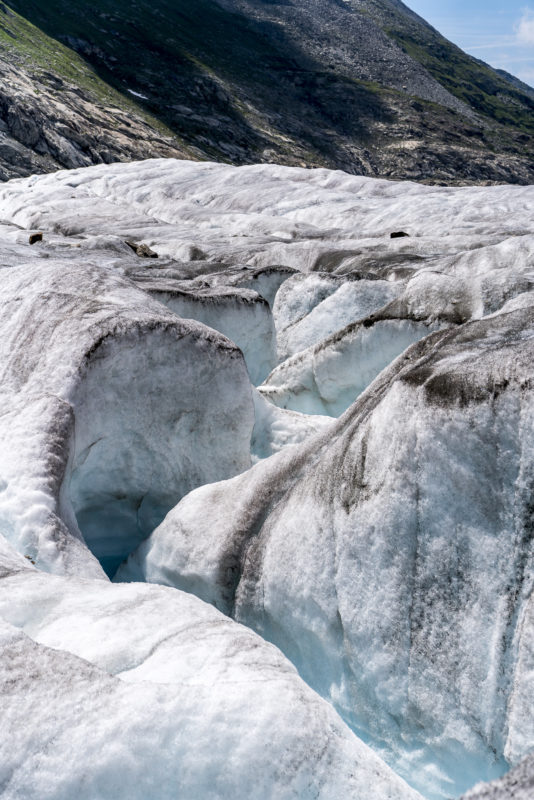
(364,85)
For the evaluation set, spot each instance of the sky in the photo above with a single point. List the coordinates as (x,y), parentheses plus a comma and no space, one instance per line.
(499,32)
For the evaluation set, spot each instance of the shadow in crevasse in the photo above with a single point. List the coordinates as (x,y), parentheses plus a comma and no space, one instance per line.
(203,71)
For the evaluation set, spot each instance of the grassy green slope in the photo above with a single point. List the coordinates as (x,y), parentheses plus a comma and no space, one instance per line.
(469,79)
(233,87)
(159,50)
(23,43)
(193,61)
(475,83)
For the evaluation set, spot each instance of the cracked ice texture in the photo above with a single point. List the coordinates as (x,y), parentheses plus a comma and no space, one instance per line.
(110,406)
(390,558)
(388,555)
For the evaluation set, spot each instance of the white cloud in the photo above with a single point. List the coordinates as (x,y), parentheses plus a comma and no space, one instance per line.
(492,44)
(525,28)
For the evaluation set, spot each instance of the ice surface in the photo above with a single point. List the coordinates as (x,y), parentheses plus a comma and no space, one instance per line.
(388,553)
(391,556)
(140,691)
(299,295)
(306,219)
(275,428)
(243,316)
(266,281)
(110,406)
(327,378)
(350,301)
(518,784)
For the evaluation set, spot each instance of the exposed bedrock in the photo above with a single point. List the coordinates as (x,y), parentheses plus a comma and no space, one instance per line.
(136,692)
(391,556)
(112,409)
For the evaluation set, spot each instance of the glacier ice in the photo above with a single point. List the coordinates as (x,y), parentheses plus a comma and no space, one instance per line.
(326,378)
(243,316)
(140,691)
(308,220)
(110,405)
(387,552)
(390,557)
(276,428)
(265,281)
(303,324)
(518,784)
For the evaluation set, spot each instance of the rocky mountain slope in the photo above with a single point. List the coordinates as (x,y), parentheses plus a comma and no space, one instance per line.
(348,495)
(55,112)
(366,86)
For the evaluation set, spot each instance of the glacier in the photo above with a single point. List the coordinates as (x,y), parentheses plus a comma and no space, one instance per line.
(391,556)
(140,691)
(309,308)
(110,405)
(266,518)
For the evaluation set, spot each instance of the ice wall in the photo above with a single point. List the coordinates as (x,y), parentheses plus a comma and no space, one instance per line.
(113,409)
(391,557)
